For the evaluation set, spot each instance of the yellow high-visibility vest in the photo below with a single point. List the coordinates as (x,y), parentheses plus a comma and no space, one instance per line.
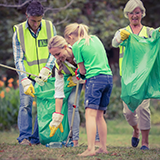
(66,69)
(35,49)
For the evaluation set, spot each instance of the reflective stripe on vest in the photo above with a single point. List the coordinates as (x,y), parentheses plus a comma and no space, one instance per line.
(66,69)
(146,32)
(21,33)
(35,49)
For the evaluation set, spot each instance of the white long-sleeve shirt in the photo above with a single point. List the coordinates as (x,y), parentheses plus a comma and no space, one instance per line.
(117,39)
(59,82)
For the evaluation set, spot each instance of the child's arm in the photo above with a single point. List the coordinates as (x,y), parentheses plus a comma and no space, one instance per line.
(82,68)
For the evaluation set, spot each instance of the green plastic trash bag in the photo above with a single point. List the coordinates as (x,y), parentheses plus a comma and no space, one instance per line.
(140,69)
(45,108)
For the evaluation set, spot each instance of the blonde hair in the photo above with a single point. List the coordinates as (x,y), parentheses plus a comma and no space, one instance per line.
(131,5)
(60,42)
(57,41)
(79,30)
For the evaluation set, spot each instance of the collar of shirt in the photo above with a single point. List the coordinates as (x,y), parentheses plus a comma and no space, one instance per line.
(69,64)
(32,33)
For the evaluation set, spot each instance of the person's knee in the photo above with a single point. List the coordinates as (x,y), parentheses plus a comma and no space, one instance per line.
(91,112)
(100,116)
(128,114)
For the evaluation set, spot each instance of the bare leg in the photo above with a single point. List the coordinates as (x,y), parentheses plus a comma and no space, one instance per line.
(136,131)
(90,115)
(75,143)
(145,134)
(102,130)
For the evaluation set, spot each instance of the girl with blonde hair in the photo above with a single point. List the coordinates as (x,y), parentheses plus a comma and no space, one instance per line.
(91,57)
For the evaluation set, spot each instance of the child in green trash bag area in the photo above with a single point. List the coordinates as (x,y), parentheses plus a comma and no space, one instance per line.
(65,64)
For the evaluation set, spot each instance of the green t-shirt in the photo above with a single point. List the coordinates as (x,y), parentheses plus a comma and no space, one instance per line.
(93,56)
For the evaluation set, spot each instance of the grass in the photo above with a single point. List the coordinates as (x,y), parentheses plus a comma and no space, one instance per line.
(118,144)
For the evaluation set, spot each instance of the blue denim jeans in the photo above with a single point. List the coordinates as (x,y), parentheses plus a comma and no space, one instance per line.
(97,92)
(25,118)
(76,122)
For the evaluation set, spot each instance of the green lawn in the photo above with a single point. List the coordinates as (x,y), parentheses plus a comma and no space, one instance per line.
(120,134)
(118,145)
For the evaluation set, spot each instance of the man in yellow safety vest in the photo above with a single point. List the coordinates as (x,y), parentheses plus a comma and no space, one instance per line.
(31,54)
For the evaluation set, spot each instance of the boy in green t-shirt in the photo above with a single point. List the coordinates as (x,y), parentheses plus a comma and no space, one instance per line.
(93,64)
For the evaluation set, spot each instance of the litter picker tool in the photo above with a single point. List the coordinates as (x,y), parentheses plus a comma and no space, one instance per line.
(74,108)
(40,81)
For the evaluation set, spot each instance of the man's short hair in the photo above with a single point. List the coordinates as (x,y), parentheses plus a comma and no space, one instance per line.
(35,8)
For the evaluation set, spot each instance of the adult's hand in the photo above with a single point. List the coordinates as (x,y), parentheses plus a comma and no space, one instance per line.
(56,123)
(44,73)
(28,87)
(124,34)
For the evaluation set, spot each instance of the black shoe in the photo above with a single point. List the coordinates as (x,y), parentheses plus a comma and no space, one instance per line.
(135,141)
(144,148)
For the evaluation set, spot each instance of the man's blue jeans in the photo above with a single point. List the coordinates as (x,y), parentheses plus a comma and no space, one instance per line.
(25,118)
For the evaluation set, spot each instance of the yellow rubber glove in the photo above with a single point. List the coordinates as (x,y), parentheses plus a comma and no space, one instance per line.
(56,123)
(71,83)
(54,129)
(30,91)
(124,34)
(28,87)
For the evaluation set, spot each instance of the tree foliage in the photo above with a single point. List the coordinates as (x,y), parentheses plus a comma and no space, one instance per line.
(103,17)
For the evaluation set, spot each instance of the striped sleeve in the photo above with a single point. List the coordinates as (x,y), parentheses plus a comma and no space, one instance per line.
(51,60)
(18,55)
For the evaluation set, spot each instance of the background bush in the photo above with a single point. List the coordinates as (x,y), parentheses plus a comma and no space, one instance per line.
(9,105)
(104,18)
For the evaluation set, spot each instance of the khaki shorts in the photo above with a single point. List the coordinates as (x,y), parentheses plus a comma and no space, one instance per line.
(140,116)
